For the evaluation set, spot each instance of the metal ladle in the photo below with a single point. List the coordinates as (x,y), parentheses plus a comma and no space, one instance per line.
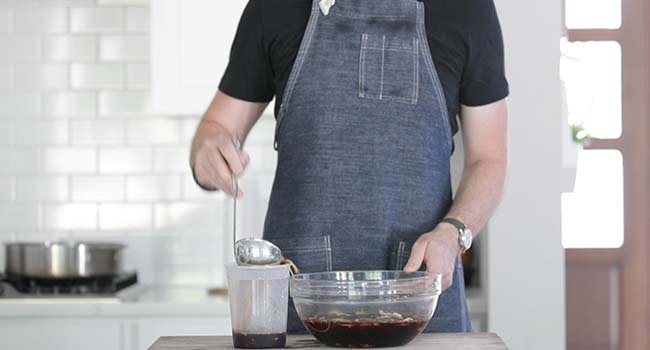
(255,251)
(251,251)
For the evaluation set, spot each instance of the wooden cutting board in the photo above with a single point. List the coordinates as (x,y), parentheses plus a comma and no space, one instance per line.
(437,341)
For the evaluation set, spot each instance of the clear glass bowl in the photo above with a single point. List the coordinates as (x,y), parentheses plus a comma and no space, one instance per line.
(365,308)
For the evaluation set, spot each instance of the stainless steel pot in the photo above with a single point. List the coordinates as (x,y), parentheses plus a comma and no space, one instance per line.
(63,259)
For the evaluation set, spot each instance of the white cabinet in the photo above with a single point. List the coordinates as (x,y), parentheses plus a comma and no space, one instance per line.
(69,334)
(146,331)
(102,333)
(190,45)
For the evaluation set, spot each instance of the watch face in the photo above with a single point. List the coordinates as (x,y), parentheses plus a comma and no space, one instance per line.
(466,237)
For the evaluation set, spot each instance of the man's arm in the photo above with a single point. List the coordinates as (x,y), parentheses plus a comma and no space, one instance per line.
(485,142)
(214,158)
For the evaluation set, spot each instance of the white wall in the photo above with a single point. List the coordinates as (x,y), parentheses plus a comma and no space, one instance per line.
(83,156)
(526,265)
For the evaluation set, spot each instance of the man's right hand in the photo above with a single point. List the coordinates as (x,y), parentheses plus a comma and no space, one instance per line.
(215,159)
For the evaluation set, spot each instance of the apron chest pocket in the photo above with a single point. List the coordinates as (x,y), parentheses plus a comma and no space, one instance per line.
(309,253)
(388,69)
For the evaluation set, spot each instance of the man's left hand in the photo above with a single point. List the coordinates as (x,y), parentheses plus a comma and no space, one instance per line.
(438,251)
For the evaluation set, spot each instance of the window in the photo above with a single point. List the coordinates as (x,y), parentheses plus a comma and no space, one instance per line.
(592,215)
(593,14)
(591,73)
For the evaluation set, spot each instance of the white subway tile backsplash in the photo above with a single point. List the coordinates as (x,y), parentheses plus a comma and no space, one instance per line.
(153,131)
(97,188)
(122,2)
(137,19)
(5,21)
(188,128)
(73,216)
(262,133)
(43,20)
(125,216)
(96,76)
(124,103)
(71,104)
(18,4)
(153,187)
(40,77)
(19,160)
(100,19)
(69,160)
(19,217)
(125,160)
(6,134)
(41,133)
(20,49)
(38,189)
(6,188)
(192,191)
(19,104)
(263,158)
(67,3)
(69,48)
(138,76)
(205,215)
(97,132)
(77,175)
(124,48)
(6,77)
(172,159)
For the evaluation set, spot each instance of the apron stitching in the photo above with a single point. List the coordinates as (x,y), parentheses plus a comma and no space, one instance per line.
(400,252)
(350,15)
(416,71)
(442,103)
(328,253)
(362,59)
(301,59)
(295,72)
(407,100)
(401,49)
(383,56)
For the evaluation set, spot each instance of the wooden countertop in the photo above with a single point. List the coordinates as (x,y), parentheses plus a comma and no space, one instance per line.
(437,341)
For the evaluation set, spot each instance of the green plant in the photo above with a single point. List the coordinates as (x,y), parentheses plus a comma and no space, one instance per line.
(579,134)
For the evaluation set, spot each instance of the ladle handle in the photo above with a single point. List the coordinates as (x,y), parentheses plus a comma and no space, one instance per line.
(235,186)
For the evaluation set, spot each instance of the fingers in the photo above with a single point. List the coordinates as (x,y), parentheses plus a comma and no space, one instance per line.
(232,156)
(437,264)
(417,256)
(205,175)
(217,161)
(435,256)
(223,173)
(446,276)
(245,158)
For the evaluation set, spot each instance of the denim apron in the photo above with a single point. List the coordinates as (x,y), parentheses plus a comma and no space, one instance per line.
(364,142)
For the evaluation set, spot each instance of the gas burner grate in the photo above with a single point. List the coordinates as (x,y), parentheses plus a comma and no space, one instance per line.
(72,286)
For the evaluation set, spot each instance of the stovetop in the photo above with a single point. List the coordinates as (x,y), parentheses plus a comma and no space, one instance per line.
(12,286)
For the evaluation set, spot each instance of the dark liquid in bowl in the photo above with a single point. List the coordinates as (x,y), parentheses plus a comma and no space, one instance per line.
(364,334)
(259,341)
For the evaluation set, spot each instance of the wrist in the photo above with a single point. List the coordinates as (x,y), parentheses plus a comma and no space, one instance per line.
(449,234)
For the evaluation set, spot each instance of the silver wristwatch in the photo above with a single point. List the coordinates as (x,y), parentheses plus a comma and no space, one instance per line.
(464,233)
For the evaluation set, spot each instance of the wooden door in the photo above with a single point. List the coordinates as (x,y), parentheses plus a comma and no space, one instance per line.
(608,290)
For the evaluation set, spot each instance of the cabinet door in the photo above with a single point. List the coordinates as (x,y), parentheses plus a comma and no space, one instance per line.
(148,330)
(190,45)
(68,334)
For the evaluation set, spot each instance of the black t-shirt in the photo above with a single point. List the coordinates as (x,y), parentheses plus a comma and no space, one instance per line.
(464,37)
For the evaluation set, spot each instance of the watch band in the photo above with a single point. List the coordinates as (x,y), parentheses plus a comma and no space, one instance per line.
(457,223)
